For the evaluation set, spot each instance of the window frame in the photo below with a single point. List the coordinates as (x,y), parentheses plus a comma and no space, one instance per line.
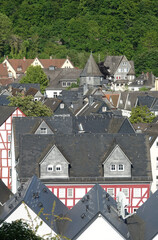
(43,131)
(120,170)
(111,168)
(50,166)
(58,166)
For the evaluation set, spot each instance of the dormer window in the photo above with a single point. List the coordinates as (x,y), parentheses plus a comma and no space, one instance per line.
(104,109)
(112,167)
(61,105)
(58,168)
(50,168)
(19,68)
(43,130)
(120,167)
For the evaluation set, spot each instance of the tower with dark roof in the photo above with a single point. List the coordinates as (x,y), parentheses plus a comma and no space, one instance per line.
(91,74)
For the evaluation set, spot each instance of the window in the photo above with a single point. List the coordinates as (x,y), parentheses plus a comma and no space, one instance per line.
(55,95)
(43,130)
(50,168)
(156,144)
(64,84)
(9,138)
(125,191)
(112,167)
(68,84)
(61,105)
(121,167)
(110,191)
(70,192)
(129,103)
(19,68)
(121,101)
(103,109)
(9,154)
(58,168)
(10,172)
(137,192)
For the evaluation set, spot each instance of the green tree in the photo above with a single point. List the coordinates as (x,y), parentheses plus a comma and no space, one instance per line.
(36,75)
(5,31)
(29,107)
(17,230)
(141,114)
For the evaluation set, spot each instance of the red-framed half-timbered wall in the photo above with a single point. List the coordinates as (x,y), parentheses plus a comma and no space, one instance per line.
(136,194)
(5,147)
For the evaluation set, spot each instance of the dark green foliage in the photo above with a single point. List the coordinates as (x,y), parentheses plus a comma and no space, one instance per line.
(141,114)
(17,230)
(29,107)
(70,27)
(36,75)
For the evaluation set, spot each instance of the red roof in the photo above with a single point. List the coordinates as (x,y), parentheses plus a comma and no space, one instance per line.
(52,62)
(20,65)
(3,71)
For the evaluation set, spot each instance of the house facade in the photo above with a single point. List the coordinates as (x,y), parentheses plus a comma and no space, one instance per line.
(112,161)
(7,115)
(18,67)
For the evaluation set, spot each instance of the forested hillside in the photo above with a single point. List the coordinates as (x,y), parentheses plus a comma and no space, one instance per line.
(59,28)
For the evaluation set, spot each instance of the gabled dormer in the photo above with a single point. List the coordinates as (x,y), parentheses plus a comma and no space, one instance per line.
(117,164)
(43,128)
(54,165)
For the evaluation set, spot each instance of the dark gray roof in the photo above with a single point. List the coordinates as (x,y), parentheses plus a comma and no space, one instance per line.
(113,62)
(4,101)
(24,85)
(91,69)
(148,212)
(95,202)
(146,101)
(36,196)
(5,113)
(59,75)
(88,151)
(5,193)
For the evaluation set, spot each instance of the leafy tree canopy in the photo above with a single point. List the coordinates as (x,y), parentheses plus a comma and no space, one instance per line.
(17,230)
(29,107)
(60,27)
(36,75)
(141,114)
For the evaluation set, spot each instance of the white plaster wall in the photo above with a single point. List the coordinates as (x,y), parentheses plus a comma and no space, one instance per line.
(126,113)
(50,92)
(156,237)
(153,156)
(36,62)
(100,229)
(67,64)
(21,213)
(10,68)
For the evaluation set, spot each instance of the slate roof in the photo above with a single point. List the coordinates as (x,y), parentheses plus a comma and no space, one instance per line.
(5,113)
(148,212)
(27,86)
(36,196)
(4,101)
(60,75)
(113,62)
(147,78)
(88,151)
(132,97)
(5,193)
(91,69)
(95,202)
(146,101)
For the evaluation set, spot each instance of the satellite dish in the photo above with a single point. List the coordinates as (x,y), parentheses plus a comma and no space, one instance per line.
(121,204)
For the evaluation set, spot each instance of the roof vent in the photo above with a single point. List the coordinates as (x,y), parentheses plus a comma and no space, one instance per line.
(83,215)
